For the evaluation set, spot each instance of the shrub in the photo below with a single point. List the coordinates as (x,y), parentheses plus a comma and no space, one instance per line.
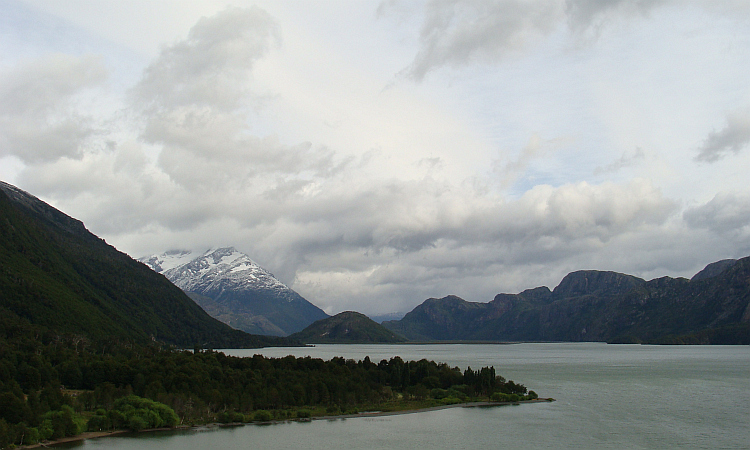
(98,422)
(137,413)
(262,416)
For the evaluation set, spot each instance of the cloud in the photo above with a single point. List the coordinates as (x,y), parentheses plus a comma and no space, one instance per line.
(408,240)
(510,171)
(39,120)
(196,100)
(731,139)
(457,32)
(727,213)
(626,160)
(394,204)
(590,16)
(211,67)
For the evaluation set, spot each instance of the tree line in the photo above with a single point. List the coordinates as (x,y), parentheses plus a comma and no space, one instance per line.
(54,385)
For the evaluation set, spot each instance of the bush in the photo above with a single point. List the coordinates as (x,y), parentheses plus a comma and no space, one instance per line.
(304,414)
(262,416)
(98,422)
(137,423)
(64,422)
(137,413)
(500,397)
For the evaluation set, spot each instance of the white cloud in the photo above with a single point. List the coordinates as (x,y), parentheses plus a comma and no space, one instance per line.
(38,118)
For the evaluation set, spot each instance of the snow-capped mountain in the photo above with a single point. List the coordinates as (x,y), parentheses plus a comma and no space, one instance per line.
(234,289)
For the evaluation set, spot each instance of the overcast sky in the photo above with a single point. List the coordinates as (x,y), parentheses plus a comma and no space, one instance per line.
(375,154)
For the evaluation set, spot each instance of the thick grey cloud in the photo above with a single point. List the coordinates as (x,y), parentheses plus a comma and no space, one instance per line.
(38,117)
(731,139)
(590,16)
(459,32)
(373,215)
(726,214)
(456,32)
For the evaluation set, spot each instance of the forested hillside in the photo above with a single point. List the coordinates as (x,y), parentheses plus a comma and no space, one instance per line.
(55,273)
(347,327)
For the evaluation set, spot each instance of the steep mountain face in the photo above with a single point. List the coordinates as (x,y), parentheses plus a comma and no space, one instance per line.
(348,327)
(713,269)
(599,306)
(56,274)
(234,289)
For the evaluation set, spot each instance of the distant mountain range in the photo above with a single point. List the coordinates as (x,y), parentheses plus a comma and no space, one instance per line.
(56,275)
(589,305)
(231,287)
(347,327)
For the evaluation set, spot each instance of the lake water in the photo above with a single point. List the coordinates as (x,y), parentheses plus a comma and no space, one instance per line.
(608,396)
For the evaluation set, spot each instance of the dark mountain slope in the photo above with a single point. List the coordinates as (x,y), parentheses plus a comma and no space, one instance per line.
(713,269)
(347,327)
(599,306)
(55,273)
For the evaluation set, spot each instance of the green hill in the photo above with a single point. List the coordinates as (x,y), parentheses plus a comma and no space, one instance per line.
(54,273)
(348,327)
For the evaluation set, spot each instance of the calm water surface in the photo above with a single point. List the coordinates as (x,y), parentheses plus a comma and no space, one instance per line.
(608,396)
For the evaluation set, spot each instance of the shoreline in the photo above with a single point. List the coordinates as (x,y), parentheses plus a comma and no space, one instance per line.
(365,414)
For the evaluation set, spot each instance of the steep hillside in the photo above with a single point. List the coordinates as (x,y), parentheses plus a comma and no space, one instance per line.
(348,327)
(231,287)
(55,273)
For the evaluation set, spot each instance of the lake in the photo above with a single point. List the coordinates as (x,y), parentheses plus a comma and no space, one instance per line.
(608,396)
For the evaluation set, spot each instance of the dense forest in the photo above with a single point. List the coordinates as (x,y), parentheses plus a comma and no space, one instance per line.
(54,385)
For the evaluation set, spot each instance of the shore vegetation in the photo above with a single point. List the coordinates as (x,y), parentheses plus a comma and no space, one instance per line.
(54,386)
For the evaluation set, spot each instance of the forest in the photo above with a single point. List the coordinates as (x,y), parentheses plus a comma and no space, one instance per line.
(55,385)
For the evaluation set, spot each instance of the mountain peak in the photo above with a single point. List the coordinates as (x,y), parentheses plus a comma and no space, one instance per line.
(595,282)
(233,288)
(714,269)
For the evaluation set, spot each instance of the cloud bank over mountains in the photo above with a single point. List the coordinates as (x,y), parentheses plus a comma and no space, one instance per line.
(372,155)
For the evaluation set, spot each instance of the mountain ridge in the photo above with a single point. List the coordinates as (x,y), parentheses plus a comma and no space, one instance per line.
(233,288)
(590,305)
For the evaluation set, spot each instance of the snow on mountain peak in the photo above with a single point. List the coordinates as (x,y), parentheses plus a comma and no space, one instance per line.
(216,269)
(169,260)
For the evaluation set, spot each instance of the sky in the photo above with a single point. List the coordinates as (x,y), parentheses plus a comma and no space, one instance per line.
(373,154)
